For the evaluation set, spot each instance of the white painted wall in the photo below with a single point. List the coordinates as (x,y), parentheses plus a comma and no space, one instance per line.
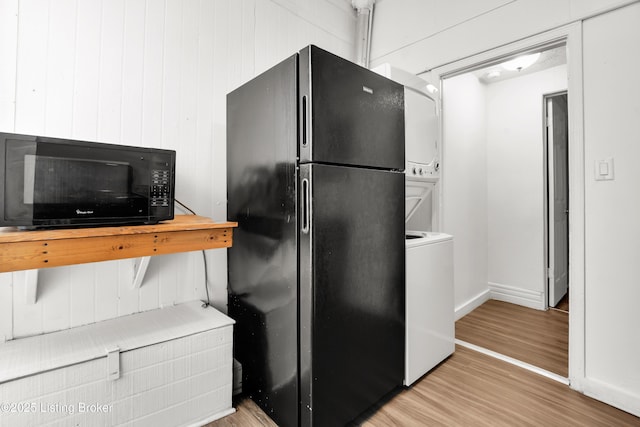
(493,180)
(515,185)
(464,186)
(148,73)
(611,94)
(612,294)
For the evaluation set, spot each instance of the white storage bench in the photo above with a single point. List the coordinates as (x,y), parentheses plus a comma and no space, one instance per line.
(166,367)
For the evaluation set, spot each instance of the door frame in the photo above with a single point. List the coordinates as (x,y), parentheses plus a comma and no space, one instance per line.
(571,36)
(549,176)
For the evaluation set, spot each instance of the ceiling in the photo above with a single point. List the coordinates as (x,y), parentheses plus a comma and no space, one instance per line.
(548,58)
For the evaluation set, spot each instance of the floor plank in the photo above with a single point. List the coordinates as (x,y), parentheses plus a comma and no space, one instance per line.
(540,338)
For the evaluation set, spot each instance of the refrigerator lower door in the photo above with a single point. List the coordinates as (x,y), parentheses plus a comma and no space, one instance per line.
(351,297)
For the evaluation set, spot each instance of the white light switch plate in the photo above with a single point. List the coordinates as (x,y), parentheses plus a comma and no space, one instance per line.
(604,169)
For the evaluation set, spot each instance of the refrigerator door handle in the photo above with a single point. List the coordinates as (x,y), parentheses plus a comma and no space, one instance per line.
(305,114)
(306,206)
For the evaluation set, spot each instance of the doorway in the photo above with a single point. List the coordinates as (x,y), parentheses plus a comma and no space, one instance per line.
(557,146)
(494,177)
(470,287)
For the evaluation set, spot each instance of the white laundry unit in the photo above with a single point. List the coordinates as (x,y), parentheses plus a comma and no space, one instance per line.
(430,323)
(429,334)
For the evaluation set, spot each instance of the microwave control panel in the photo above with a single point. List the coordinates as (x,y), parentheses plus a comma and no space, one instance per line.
(160,191)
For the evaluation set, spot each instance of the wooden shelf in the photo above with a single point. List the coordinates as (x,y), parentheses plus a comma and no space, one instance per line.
(26,250)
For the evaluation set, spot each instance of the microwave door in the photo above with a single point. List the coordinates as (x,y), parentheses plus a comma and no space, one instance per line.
(81,190)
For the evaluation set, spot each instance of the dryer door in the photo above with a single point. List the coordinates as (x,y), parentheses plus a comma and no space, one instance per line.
(421,129)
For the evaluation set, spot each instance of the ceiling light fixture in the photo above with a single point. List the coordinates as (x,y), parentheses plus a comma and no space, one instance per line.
(493,74)
(521,62)
(431,88)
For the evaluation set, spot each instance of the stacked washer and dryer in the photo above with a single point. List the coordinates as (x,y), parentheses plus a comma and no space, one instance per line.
(429,252)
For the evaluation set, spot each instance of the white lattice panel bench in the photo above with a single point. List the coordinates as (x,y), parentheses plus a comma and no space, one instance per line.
(165,367)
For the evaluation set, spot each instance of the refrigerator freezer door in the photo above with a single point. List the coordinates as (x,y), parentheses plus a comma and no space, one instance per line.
(352,271)
(349,115)
(261,190)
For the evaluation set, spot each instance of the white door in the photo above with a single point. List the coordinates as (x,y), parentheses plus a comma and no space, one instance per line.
(557,143)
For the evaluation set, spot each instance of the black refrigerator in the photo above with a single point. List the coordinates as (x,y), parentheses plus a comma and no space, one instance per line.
(315,180)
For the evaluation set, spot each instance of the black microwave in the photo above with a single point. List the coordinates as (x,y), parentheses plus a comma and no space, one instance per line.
(52,182)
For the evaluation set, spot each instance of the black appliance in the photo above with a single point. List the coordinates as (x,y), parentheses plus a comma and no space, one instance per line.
(315,159)
(52,182)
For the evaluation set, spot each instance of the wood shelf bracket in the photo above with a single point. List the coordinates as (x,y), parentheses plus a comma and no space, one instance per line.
(140,266)
(31,286)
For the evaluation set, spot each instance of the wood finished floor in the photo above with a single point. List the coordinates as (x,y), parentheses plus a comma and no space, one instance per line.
(472,389)
(540,338)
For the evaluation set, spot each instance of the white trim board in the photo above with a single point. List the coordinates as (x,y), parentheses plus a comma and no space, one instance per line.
(613,396)
(512,294)
(471,304)
(213,418)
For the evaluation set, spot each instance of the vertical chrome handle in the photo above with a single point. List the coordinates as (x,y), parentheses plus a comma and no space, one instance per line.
(305,206)
(304,121)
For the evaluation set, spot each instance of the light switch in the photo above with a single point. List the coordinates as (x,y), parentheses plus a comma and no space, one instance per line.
(604,169)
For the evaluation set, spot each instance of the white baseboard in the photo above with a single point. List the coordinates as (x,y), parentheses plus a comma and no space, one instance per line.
(470,305)
(524,297)
(213,418)
(611,395)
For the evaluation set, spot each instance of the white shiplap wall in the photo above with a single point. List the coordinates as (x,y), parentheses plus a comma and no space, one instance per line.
(148,73)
